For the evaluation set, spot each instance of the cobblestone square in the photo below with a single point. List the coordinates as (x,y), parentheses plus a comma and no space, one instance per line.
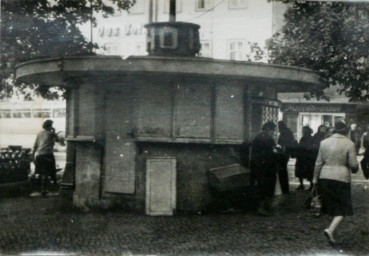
(52,225)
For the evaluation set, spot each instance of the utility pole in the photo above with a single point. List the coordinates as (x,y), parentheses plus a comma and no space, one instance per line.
(151,10)
(172,11)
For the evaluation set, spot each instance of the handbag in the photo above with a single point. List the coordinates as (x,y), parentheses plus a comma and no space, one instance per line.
(314,202)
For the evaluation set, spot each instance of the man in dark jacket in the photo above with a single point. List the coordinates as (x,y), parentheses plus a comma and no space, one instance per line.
(287,143)
(264,165)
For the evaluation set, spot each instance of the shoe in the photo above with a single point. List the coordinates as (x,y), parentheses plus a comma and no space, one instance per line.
(329,237)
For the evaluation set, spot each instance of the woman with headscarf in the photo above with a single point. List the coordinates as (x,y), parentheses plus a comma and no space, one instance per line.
(305,158)
(319,136)
(336,159)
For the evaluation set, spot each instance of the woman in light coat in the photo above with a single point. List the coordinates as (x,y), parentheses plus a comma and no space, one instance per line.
(336,160)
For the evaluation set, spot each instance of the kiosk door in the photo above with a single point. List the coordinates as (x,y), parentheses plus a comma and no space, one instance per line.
(160,186)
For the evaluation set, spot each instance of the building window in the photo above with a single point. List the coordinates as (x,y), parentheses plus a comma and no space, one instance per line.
(330,120)
(42,113)
(138,7)
(206,50)
(238,4)
(5,113)
(59,113)
(169,38)
(21,113)
(202,5)
(236,49)
(178,6)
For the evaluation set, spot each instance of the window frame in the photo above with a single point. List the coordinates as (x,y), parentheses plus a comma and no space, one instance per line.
(42,110)
(205,8)
(20,113)
(210,48)
(243,51)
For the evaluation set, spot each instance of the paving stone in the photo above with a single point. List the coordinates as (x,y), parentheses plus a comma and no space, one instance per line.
(29,224)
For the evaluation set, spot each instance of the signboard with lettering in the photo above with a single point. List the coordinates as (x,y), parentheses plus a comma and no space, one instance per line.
(318,107)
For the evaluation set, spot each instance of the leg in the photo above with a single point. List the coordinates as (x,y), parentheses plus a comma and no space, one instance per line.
(301,187)
(329,232)
(283,177)
(311,185)
(335,222)
(44,181)
(53,177)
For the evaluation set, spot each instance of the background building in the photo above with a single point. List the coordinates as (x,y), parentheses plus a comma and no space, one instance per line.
(20,120)
(228,30)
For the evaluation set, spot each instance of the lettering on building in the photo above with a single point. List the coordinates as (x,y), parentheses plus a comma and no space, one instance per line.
(311,108)
(121,31)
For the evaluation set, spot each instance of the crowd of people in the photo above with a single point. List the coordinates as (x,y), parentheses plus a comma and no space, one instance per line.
(325,159)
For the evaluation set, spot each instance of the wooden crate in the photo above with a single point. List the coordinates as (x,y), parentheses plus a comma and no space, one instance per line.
(230,177)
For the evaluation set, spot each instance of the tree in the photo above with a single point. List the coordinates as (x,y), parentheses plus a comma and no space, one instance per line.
(329,37)
(45,28)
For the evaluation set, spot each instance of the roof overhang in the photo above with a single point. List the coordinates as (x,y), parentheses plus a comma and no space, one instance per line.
(58,71)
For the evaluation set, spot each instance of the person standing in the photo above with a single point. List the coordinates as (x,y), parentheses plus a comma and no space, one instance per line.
(43,154)
(365,145)
(329,132)
(264,166)
(336,159)
(305,158)
(364,141)
(287,143)
(354,136)
(318,137)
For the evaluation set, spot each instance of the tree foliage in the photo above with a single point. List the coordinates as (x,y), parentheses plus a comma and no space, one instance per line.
(329,37)
(45,28)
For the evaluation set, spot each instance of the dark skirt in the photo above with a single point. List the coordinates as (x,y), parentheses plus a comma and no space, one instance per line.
(45,164)
(304,169)
(336,197)
(266,178)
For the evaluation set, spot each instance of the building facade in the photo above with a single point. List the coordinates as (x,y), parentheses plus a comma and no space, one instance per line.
(20,120)
(229,29)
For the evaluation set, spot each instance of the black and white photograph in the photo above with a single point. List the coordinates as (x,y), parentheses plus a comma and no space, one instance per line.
(184,127)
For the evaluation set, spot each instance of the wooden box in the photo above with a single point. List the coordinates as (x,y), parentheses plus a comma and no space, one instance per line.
(230,177)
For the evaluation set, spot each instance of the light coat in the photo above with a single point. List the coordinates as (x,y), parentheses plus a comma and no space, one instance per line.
(336,158)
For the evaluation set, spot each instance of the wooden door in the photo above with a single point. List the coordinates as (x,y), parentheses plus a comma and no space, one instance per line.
(160,186)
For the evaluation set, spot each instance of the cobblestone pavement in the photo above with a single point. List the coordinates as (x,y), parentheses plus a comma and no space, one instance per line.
(31,224)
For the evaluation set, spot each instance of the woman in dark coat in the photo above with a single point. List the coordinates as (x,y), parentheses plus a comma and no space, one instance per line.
(264,165)
(305,158)
(319,136)
(287,143)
